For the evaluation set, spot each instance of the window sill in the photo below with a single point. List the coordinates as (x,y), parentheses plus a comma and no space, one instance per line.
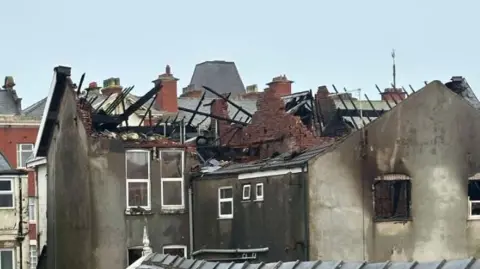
(395,220)
(225,218)
(258,200)
(136,212)
(474,217)
(7,208)
(172,211)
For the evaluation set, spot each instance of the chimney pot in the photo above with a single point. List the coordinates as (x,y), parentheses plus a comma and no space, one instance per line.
(9,83)
(111,85)
(252,88)
(281,85)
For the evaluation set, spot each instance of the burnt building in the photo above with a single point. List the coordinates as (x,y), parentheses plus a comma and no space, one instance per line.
(108,179)
(402,187)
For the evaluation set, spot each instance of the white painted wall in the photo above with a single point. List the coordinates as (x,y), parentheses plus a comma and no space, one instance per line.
(41,176)
(9,219)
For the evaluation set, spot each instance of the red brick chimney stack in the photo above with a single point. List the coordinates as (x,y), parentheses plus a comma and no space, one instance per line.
(111,85)
(167,97)
(391,94)
(280,85)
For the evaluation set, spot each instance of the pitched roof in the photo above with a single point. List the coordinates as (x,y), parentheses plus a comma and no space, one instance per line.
(8,106)
(221,76)
(36,109)
(4,164)
(156,260)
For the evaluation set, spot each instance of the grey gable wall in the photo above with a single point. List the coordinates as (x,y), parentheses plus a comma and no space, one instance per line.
(431,136)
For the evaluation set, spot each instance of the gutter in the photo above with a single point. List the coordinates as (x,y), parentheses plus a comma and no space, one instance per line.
(230,251)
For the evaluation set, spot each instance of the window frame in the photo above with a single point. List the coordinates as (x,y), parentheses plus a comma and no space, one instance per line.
(244,187)
(32,210)
(259,197)
(13,255)
(148,181)
(11,191)
(175,179)
(20,151)
(470,202)
(224,200)
(393,178)
(33,247)
(183,247)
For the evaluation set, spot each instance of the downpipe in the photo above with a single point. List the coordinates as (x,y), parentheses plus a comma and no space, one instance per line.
(190,217)
(20,235)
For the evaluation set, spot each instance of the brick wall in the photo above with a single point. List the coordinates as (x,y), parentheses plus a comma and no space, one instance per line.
(271,129)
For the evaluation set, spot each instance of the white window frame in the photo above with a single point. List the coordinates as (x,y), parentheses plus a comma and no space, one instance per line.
(11,192)
(33,265)
(259,197)
(224,200)
(470,216)
(14,259)
(176,247)
(32,209)
(245,187)
(131,180)
(176,179)
(20,151)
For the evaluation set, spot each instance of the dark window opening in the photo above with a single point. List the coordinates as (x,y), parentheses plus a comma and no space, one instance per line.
(175,251)
(134,254)
(392,199)
(474,197)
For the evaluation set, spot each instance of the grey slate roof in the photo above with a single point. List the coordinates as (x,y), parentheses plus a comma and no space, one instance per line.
(7,103)
(221,76)
(4,164)
(174,262)
(284,160)
(36,109)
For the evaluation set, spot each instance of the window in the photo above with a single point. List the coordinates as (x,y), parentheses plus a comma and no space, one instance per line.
(172,179)
(134,254)
(6,259)
(6,193)
(31,209)
(247,189)
(225,202)
(474,199)
(392,198)
(33,257)
(24,152)
(177,250)
(259,192)
(138,178)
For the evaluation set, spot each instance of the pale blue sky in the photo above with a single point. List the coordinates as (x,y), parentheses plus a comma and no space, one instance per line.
(347,43)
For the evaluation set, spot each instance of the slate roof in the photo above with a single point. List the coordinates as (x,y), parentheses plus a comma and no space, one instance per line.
(36,109)
(281,161)
(174,262)
(7,103)
(221,76)
(4,164)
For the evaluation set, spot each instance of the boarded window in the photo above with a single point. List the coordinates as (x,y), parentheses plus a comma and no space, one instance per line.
(392,199)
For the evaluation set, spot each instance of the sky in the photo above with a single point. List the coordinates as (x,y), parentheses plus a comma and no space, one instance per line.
(346,43)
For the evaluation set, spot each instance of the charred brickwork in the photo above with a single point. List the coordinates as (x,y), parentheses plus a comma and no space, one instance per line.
(271,129)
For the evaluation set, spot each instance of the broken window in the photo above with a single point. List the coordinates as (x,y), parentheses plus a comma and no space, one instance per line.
(246,190)
(177,250)
(138,178)
(474,199)
(225,202)
(259,192)
(172,179)
(392,197)
(6,193)
(134,254)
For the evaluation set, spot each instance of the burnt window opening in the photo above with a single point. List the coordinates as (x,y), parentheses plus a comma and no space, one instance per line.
(474,198)
(176,250)
(392,199)
(134,254)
